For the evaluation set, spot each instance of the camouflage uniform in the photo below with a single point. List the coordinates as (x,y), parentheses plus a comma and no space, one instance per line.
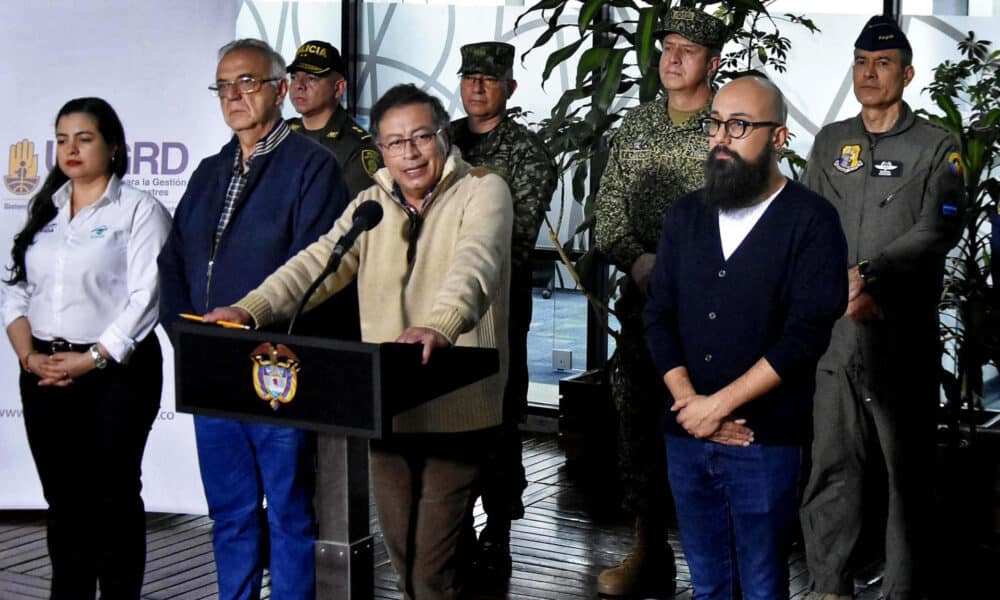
(351,144)
(519,156)
(652,163)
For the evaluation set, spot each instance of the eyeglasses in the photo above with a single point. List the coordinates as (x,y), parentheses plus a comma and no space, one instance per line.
(420,141)
(245,85)
(735,128)
(488,81)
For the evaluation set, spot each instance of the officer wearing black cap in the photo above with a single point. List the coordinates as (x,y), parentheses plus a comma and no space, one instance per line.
(896,180)
(317,83)
(489,137)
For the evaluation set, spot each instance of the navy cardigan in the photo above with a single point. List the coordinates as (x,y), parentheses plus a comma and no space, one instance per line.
(293,195)
(777,297)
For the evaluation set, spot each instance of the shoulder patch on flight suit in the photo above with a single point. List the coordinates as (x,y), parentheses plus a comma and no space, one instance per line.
(850,159)
(333,135)
(955,164)
(369,160)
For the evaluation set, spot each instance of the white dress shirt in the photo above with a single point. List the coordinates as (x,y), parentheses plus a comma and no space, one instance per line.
(93,278)
(735,225)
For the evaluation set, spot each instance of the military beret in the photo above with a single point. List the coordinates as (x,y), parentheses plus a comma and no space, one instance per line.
(882,33)
(488,58)
(317,58)
(695,25)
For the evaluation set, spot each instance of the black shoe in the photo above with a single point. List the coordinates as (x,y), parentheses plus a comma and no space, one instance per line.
(494,560)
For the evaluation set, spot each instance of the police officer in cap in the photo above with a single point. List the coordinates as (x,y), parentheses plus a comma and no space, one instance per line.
(489,137)
(896,180)
(316,86)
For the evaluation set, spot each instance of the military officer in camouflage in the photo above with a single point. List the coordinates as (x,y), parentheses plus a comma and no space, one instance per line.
(656,156)
(490,137)
(316,86)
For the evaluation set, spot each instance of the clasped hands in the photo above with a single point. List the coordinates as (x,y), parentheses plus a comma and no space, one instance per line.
(59,369)
(704,418)
(861,305)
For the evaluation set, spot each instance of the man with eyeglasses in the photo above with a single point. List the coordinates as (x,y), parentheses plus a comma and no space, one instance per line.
(316,85)
(896,180)
(655,158)
(491,138)
(747,284)
(266,195)
(434,272)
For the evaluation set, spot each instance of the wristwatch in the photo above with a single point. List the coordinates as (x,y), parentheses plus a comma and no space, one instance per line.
(99,361)
(866,273)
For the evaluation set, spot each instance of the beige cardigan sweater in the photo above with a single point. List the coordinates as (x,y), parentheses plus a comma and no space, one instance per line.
(457,284)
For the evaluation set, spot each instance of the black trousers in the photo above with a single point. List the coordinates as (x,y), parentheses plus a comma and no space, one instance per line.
(503,478)
(87,440)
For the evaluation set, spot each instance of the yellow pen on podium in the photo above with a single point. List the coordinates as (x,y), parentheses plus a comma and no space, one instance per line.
(226,324)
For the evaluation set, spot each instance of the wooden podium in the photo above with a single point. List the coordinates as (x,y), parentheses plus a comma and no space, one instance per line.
(348,392)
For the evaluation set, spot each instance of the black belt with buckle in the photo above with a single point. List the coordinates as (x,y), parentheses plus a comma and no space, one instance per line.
(58,345)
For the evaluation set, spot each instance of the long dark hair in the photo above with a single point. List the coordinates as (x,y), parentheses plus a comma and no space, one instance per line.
(41,209)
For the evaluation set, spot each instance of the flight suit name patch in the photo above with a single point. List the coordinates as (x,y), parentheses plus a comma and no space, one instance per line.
(887,168)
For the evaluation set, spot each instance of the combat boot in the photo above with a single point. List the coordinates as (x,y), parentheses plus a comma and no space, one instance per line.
(648,567)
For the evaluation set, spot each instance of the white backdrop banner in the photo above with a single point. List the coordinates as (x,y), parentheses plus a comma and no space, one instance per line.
(153,62)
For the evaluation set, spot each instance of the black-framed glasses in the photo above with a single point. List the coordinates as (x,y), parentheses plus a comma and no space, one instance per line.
(735,128)
(245,85)
(397,147)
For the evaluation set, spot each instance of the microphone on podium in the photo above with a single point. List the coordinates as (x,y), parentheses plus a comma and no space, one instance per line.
(366,216)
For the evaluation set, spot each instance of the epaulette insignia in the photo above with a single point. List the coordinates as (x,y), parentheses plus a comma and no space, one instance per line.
(361,132)
(369,160)
(294,126)
(333,135)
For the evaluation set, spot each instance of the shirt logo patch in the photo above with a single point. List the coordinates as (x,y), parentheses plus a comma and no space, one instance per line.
(369,160)
(49,228)
(955,164)
(850,159)
(887,168)
(98,232)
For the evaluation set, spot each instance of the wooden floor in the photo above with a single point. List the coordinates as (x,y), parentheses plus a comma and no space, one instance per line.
(569,534)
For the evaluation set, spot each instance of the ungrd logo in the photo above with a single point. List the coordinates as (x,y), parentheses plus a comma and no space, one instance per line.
(22,174)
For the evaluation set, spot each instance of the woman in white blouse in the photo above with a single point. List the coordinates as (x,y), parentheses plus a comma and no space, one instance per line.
(80,307)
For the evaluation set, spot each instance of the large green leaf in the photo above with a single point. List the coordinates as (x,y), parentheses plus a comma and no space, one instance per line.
(543,5)
(559,56)
(591,60)
(645,41)
(612,77)
(590,9)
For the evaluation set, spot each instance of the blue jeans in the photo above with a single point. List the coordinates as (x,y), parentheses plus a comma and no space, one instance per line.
(737,509)
(241,463)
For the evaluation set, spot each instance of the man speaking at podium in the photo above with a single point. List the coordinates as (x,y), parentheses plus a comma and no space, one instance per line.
(434,272)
